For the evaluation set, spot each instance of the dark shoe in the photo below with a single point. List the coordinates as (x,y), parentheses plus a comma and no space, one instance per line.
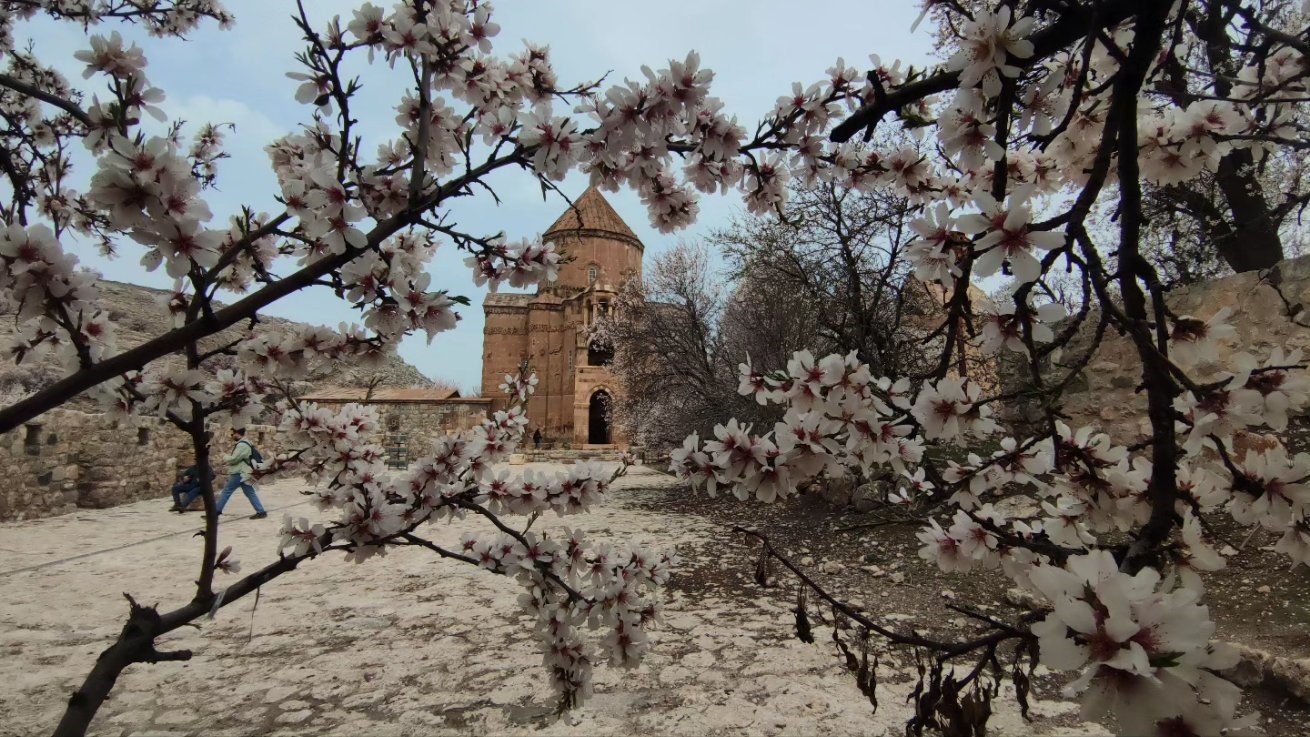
(259,515)
(175,508)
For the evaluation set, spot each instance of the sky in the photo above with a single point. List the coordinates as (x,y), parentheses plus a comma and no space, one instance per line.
(756,49)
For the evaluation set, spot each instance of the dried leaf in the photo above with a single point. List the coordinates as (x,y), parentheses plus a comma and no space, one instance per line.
(852,662)
(867,677)
(1021,687)
(862,674)
(872,693)
(803,632)
(975,710)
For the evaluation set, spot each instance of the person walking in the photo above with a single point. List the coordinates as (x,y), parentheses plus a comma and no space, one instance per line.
(536,438)
(240,467)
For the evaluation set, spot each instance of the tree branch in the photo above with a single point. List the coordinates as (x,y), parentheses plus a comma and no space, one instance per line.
(59,102)
(1054,38)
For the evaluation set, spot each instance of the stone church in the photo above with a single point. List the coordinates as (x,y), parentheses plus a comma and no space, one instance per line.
(549,330)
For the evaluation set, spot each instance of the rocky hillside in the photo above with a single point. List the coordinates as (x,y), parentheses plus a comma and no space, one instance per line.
(139,315)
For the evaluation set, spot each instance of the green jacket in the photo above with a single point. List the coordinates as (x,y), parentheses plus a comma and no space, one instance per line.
(238,461)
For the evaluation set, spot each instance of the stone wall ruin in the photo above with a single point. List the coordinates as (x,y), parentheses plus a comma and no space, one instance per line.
(67,460)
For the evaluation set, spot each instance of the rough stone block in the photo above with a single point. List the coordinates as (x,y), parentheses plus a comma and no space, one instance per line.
(837,492)
(866,498)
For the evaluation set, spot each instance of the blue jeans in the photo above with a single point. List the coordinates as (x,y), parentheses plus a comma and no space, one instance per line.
(184,494)
(233,481)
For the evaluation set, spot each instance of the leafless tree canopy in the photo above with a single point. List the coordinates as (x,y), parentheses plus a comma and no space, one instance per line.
(671,340)
(829,276)
(840,252)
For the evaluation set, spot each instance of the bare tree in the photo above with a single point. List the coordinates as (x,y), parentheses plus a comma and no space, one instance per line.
(1190,236)
(669,354)
(765,320)
(841,252)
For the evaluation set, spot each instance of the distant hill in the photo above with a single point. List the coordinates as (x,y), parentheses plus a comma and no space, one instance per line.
(139,315)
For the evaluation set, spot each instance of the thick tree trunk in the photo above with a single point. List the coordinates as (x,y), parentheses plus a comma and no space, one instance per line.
(135,644)
(1142,309)
(1252,242)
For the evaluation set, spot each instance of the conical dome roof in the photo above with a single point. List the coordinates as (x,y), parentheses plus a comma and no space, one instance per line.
(592,214)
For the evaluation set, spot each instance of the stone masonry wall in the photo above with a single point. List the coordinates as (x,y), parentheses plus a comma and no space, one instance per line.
(1106,394)
(67,459)
(421,423)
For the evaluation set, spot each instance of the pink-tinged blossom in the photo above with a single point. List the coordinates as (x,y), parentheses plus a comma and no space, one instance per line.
(299,537)
(1295,543)
(1007,236)
(1217,413)
(366,23)
(974,540)
(941,548)
(1192,340)
(948,410)
(1273,389)
(987,41)
(966,134)
(108,56)
(934,251)
(809,379)
(1127,635)
(751,383)
(1195,554)
(1003,327)
(1271,489)
(312,87)
(555,141)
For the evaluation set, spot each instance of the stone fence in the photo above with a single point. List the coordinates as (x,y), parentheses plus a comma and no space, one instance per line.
(408,426)
(1106,394)
(66,459)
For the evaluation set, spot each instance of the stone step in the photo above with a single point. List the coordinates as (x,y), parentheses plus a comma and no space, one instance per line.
(570,455)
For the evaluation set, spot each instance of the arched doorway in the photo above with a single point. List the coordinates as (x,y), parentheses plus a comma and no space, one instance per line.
(598,419)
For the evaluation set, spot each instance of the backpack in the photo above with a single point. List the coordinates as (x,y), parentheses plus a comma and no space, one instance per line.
(256,458)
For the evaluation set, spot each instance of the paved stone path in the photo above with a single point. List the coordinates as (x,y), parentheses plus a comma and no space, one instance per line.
(409,644)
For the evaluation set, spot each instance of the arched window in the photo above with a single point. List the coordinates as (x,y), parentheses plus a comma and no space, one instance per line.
(599,353)
(593,273)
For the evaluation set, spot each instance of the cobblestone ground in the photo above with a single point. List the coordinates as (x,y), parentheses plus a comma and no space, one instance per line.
(409,644)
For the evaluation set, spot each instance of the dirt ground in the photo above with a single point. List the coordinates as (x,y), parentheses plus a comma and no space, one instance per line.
(416,645)
(1258,600)
(411,644)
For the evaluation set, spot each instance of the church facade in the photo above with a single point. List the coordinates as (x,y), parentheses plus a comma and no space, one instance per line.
(549,331)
